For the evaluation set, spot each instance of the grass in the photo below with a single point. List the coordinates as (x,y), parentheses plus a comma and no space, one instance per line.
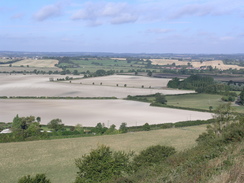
(107,64)
(199,101)
(56,157)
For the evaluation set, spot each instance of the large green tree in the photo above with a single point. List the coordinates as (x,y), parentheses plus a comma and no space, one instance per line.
(25,126)
(160,98)
(55,124)
(123,128)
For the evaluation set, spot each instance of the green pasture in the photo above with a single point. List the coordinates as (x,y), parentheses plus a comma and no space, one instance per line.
(107,64)
(56,157)
(199,101)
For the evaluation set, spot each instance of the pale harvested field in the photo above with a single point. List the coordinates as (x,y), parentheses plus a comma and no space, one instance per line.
(35,63)
(119,59)
(56,157)
(216,63)
(130,81)
(91,112)
(27,69)
(39,85)
(4,60)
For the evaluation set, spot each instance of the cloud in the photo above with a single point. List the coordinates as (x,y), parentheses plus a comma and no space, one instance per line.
(159,31)
(101,13)
(48,12)
(17,16)
(195,9)
(227,38)
(213,8)
(124,18)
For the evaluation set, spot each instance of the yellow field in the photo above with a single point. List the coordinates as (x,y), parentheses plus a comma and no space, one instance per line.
(215,63)
(35,63)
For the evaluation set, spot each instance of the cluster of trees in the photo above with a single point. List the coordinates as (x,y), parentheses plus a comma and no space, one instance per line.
(229,97)
(98,73)
(24,127)
(201,84)
(100,129)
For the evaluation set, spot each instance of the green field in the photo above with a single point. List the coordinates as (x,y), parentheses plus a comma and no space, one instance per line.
(106,64)
(56,157)
(199,101)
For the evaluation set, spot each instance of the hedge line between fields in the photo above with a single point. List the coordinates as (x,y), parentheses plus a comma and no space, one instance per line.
(178,107)
(171,125)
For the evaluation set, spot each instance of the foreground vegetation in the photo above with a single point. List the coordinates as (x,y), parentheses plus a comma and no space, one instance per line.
(56,158)
(219,149)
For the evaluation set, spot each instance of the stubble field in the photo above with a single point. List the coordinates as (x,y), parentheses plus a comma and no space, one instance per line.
(39,85)
(88,112)
(215,63)
(48,63)
(91,112)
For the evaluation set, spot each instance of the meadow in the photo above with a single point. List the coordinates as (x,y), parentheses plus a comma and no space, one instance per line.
(83,65)
(200,101)
(56,157)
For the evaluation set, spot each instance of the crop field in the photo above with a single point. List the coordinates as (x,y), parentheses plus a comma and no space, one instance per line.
(35,63)
(4,60)
(39,85)
(91,112)
(130,81)
(216,63)
(27,69)
(56,157)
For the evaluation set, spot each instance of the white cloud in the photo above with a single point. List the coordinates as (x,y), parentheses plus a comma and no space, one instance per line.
(48,12)
(124,18)
(159,31)
(17,16)
(227,38)
(213,8)
(101,13)
(195,9)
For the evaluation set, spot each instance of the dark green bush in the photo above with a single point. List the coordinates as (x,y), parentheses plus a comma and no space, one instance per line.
(152,155)
(39,178)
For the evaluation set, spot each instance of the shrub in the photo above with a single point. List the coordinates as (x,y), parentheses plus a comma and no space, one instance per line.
(102,164)
(152,155)
(39,178)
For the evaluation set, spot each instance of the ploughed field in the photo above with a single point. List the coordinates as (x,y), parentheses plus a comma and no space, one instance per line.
(89,112)
(39,85)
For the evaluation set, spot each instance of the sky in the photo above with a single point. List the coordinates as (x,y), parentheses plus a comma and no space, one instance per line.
(131,26)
